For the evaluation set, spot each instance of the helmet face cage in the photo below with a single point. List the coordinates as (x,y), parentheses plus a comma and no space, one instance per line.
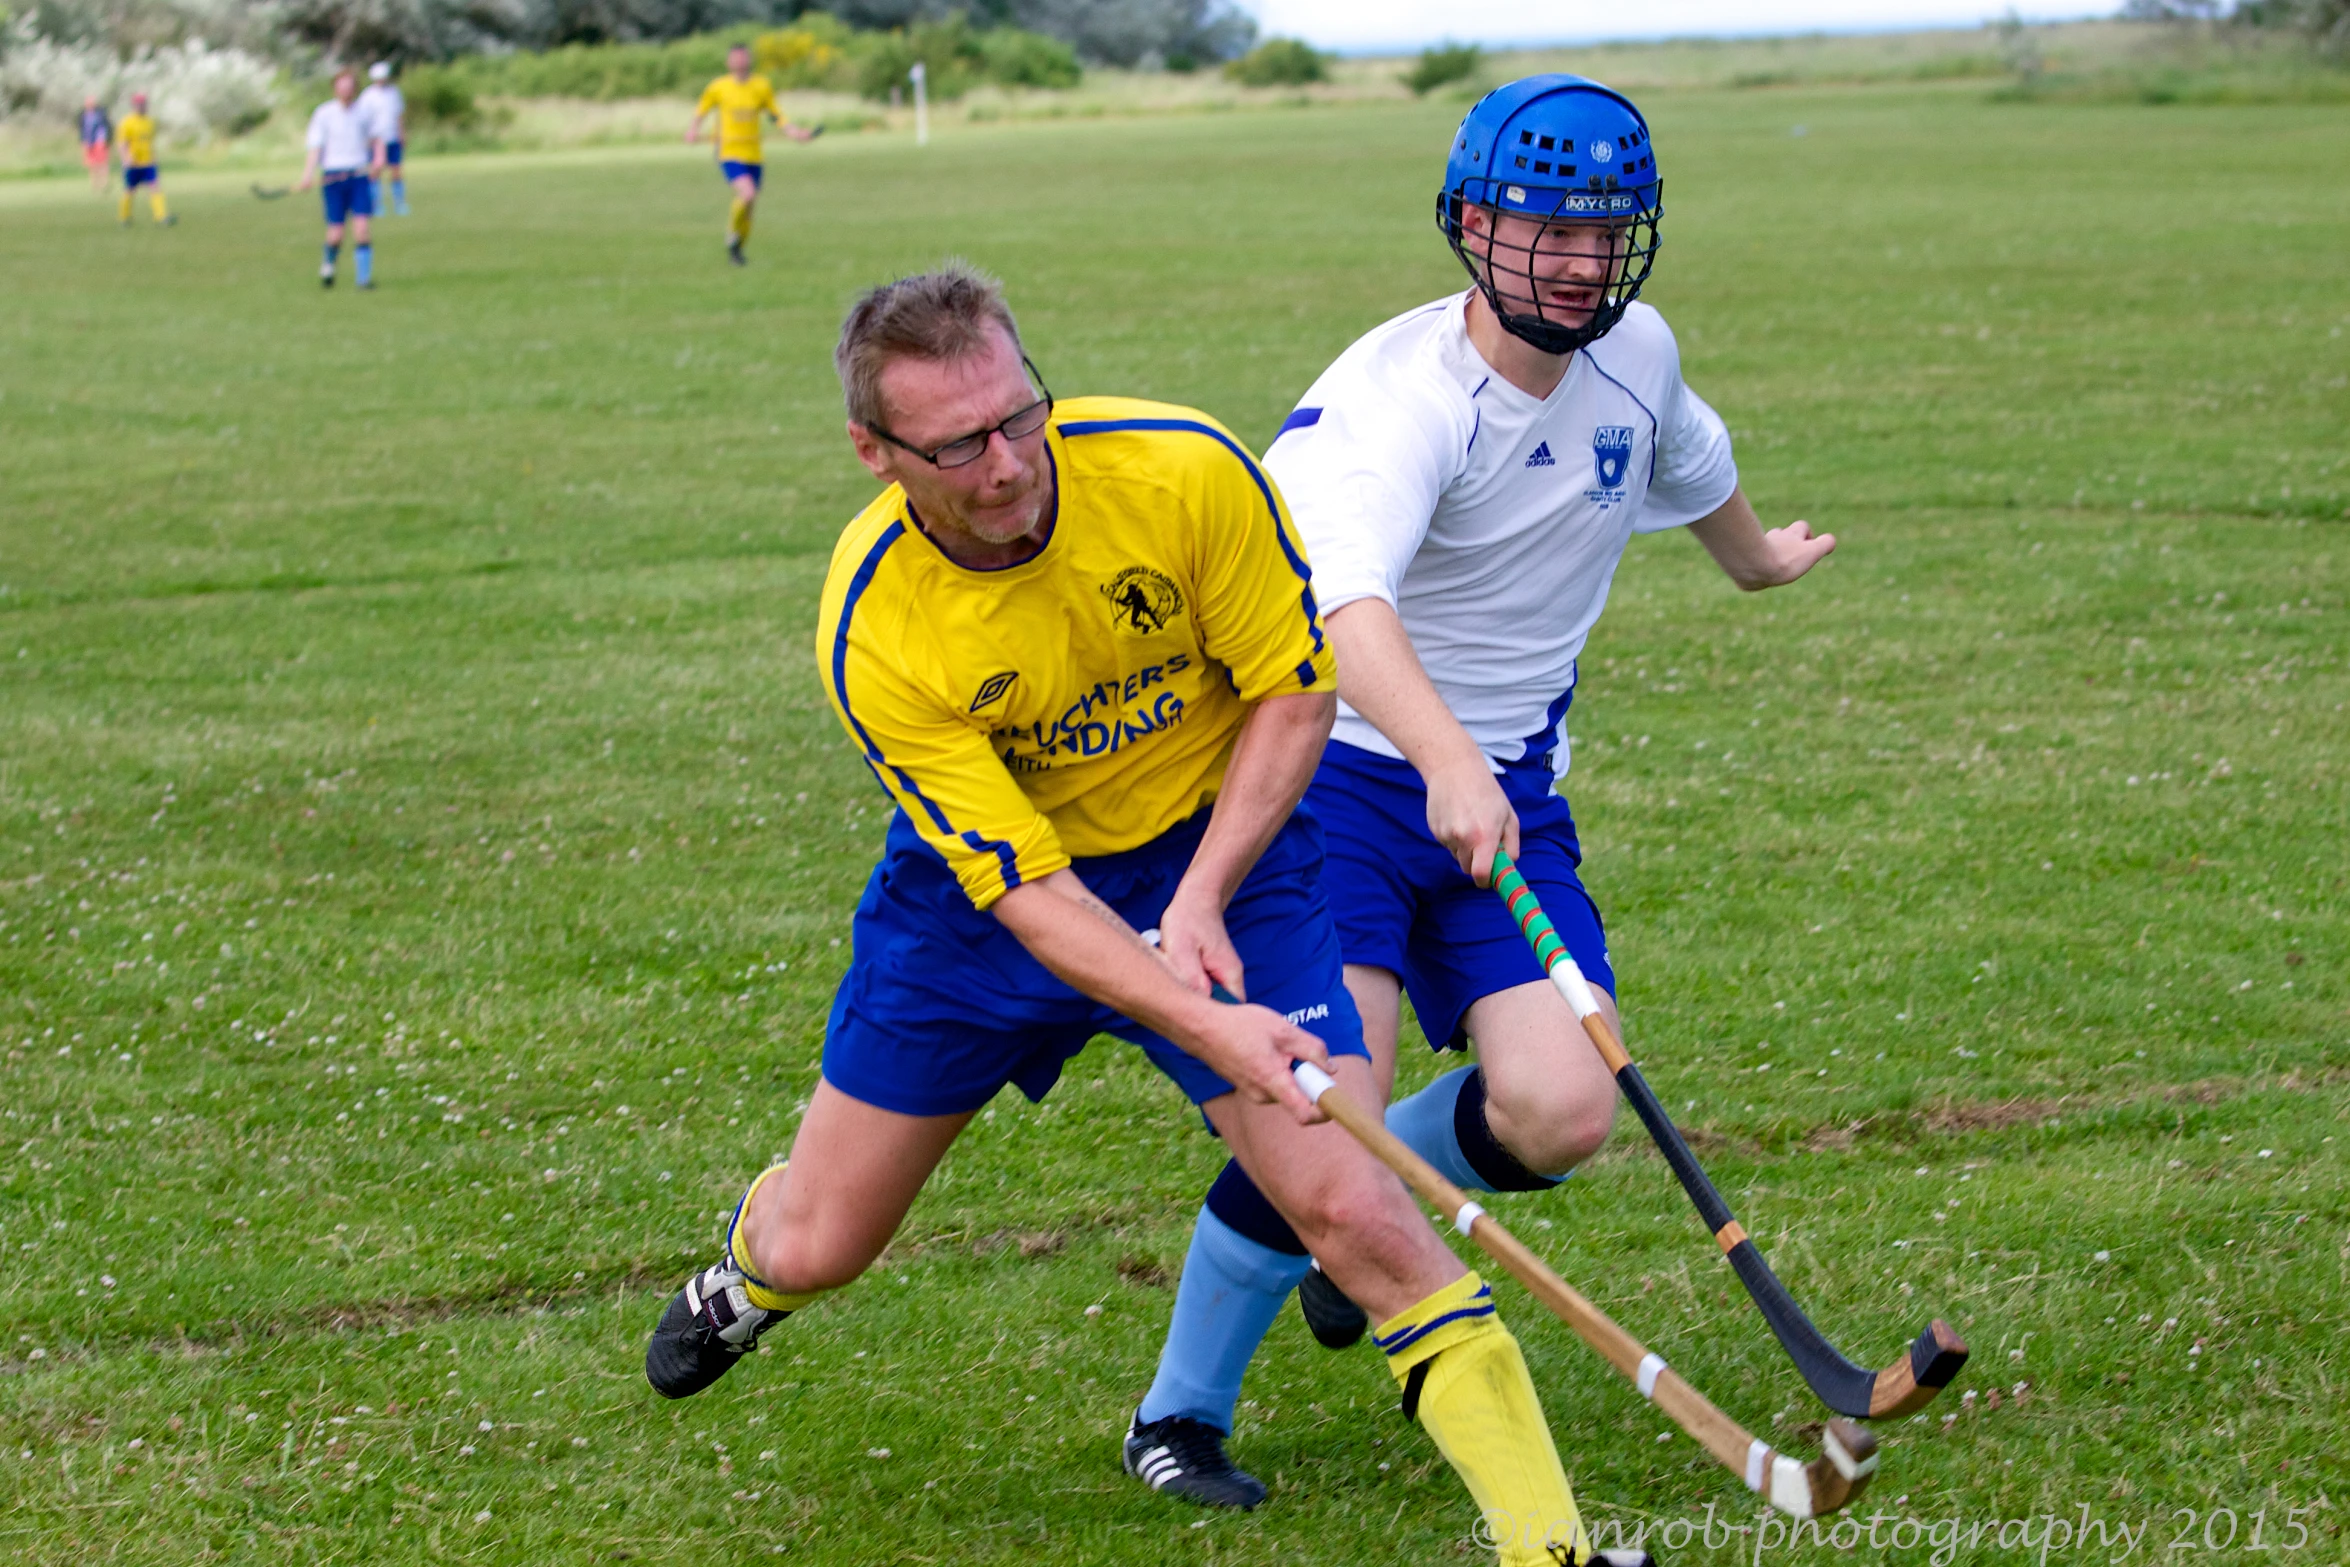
(1567,166)
(1506,273)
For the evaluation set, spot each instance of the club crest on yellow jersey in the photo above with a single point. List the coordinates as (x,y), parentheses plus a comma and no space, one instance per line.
(1142,601)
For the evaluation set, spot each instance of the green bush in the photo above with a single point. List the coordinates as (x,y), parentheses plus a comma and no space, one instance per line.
(1278,62)
(1443,64)
(817,50)
(1023,59)
(949,51)
(603,72)
(438,97)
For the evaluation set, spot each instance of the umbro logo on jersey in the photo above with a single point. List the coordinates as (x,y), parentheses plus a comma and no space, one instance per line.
(1542,457)
(992,689)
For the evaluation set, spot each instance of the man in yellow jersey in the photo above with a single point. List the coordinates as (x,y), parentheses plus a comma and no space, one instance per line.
(1078,647)
(741,100)
(136,134)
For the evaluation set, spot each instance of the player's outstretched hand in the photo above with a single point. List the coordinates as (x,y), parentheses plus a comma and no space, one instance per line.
(1252,1047)
(1468,814)
(1793,550)
(1195,945)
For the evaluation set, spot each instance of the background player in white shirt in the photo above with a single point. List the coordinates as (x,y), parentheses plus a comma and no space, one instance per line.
(386,108)
(344,155)
(1466,478)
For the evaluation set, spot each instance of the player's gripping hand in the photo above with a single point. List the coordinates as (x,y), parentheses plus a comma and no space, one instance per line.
(1252,1048)
(1789,552)
(1468,814)
(1196,947)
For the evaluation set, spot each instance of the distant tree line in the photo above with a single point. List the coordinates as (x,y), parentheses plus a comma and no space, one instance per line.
(1176,33)
(2326,23)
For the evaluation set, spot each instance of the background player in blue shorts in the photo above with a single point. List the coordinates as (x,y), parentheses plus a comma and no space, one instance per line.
(1077,647)
(345,155)
(386,109)
(1467,477)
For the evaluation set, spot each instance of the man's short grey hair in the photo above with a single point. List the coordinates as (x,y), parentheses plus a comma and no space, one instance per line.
(952,313)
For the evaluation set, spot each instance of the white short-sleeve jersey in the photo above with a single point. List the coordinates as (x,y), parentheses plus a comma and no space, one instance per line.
(383,105)
(1493,521)
(341,137)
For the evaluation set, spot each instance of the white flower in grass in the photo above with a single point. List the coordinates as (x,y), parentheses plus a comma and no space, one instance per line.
(488,1426)
(482,1517)
(877,1452)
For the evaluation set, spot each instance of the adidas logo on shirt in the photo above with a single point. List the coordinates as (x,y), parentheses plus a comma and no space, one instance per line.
(1542,457)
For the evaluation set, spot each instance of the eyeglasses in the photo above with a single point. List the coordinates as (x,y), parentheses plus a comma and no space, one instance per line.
(970,448)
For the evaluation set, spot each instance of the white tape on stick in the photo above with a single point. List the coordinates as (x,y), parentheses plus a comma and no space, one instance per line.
(1313,1080)
(1758,1460)
(1466,1220)
(1790,1487)
(1651,1367)
(1578,993)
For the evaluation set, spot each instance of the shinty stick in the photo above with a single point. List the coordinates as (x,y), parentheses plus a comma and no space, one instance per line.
(1825,1485)
(1845,1387)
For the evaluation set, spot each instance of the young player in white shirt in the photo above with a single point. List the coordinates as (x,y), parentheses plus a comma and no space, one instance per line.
(386,108)
(1466,478)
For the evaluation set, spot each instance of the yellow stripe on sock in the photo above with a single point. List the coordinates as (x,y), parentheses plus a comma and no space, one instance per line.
(1478,1402)
(761,1296)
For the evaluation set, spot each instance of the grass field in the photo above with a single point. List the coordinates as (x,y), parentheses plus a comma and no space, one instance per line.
(425,855)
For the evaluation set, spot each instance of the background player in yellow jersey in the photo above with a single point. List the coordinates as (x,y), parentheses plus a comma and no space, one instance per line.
(741,101)
(1079,649)
(136,136)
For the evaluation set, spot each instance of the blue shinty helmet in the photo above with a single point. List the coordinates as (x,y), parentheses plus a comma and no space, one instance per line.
(1560,150)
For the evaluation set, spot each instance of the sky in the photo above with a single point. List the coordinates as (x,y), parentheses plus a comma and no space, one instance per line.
(1359,25)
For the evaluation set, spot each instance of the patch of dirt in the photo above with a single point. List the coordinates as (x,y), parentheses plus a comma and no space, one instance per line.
(1148,1272)
(1997,1116)
(1031,1243)
(1833,1138)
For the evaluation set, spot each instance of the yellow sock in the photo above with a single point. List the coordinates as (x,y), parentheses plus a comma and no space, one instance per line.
(125,207)
(738,219)
(156,206)
(761,1296)
(1476,1400)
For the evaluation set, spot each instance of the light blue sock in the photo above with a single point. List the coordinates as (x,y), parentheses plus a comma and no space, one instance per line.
(400,194)
(1231,1291)
(1424,1122)
(363,257)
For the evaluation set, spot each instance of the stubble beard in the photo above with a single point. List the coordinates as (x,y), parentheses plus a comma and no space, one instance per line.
(1000,526)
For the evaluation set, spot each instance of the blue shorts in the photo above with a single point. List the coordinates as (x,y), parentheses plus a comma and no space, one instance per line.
(392,151)
(942,1006)
(735,171)
(135,175)
(349,195)
(1404,904)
